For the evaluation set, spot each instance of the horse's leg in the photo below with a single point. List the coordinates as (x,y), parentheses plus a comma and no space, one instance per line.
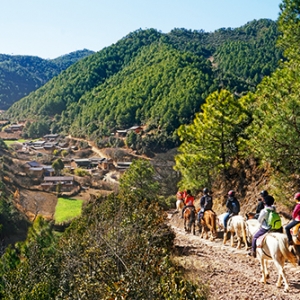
(239,244)
(266,269)
(194,229)
(279,264)
(206,233)
(211,229)
(225,237)
(262,266)
(232,239)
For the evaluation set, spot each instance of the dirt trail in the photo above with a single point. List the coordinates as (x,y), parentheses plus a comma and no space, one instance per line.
(229,272)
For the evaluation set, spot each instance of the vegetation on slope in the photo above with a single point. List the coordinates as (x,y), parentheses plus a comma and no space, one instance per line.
(20,75)
(264,124)
(152,78)
(119,248)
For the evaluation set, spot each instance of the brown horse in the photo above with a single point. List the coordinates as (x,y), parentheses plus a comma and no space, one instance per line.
(208,223)
(189,219)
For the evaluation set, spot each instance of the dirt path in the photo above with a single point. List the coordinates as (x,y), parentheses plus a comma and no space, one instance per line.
(229,273)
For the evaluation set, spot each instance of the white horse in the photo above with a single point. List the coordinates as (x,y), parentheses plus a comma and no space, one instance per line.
(274,247)
(179,205)
(220,221)
(236,226)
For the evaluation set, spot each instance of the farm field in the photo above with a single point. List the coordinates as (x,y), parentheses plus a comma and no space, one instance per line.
(67,209)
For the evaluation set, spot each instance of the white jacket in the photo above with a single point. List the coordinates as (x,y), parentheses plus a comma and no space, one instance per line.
(262,218)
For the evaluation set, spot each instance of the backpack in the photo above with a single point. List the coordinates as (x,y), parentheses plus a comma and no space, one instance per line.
(208,202)
(235,208)
(273,220)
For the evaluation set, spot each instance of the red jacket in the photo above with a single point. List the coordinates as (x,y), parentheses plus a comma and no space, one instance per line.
(189,200)
(296,212)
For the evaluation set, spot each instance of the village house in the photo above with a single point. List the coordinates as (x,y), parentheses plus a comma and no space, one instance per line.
(136,129)
(123,166)
(123,132)
(14,128)
(37,170)
(51,137)
(50,183)
(83,163)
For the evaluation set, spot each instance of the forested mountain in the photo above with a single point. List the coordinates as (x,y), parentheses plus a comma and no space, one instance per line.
(152,78)
(120,247)
(20,75)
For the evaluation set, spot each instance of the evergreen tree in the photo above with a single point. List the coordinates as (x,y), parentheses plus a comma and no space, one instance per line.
(211,141)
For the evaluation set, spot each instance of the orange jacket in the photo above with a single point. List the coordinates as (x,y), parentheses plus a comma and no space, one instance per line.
(179,195)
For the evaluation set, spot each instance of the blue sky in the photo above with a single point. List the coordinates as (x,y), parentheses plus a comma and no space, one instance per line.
(51,28)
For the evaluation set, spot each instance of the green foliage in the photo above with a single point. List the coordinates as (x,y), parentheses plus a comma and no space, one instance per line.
(36,129)
(139,182)
(211,141)
(81,172)
(116,250)
(27,270)
(289,25)
(3,145)
(155,79)
(58,165)
(275,129)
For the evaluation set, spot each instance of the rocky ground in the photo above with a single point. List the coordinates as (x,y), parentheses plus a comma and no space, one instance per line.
(227,272)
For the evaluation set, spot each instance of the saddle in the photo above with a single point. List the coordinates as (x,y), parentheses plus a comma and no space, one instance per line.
(260,240)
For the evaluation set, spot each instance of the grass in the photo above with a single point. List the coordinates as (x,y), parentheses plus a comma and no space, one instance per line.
(9,142)
(67,209)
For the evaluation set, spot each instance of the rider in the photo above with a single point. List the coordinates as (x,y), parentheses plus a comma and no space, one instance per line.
(296,219)
(261,203)
(206,203)
(179,195)
(233,207)
(188,201)
(262,219)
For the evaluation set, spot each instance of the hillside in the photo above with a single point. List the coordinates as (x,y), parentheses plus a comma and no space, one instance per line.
(20,75)
(152,78)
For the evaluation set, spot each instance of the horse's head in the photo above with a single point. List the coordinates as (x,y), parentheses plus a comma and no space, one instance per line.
(252,225)
(250,215)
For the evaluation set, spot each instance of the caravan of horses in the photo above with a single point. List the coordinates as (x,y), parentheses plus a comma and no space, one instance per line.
(272,246)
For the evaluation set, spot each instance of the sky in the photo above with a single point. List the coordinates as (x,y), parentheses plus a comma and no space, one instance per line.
(51,28)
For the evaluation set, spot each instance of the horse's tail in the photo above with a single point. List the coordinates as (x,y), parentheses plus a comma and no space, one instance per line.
(283,246)
(244,233)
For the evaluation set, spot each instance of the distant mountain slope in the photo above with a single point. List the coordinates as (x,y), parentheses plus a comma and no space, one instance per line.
(20,75)
(153,78)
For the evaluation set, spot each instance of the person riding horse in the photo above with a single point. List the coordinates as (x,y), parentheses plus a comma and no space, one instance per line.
(188,201)
(233,208)
(206,203)
(261,203)
(262,219)
(295,220)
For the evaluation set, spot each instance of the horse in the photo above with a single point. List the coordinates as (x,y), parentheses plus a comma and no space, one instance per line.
(274,246)
(189,219)
(208,223)
(295,231)
(236,226)
(179,205)
(220,221)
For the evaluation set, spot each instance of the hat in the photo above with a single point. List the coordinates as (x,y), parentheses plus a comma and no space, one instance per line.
(264,193)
